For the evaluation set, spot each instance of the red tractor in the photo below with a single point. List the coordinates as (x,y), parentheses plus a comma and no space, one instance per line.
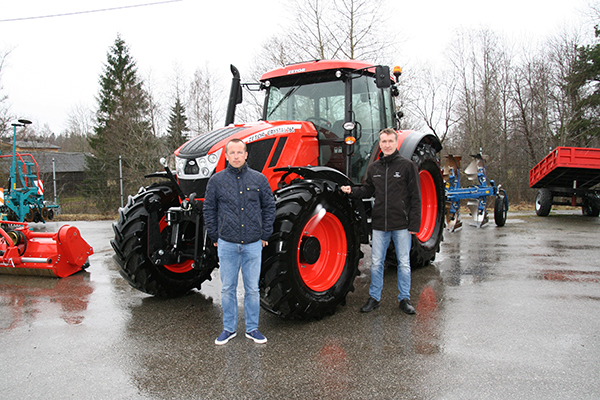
(319,131)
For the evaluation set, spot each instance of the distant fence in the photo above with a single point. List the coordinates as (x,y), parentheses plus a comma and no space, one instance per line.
(71,188)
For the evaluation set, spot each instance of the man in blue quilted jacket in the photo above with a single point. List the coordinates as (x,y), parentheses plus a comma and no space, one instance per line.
(239,211)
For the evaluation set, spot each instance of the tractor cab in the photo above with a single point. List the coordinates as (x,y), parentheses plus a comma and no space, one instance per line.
(348,102)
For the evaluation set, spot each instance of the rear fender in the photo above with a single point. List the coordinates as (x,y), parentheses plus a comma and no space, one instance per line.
(409,140)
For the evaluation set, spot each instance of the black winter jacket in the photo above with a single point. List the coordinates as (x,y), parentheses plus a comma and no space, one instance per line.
(239,206)
(394,182)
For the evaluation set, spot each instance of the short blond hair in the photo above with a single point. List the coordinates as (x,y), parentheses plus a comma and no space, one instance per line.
(236,141)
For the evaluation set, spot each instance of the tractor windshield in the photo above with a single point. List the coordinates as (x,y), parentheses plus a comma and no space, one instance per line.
(323,102)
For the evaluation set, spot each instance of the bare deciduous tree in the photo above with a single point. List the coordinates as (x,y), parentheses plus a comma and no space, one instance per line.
(204,106)
(81,121)
(330,29)
(431,99)
(4,108)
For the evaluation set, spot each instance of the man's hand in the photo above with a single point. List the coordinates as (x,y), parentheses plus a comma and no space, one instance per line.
(346,189)
(264,242)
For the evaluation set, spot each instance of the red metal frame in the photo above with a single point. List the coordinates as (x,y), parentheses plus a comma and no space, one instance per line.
(567,164)
(24,173)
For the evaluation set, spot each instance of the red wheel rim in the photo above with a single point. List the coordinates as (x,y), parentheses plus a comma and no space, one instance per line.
(323,273)
(177,268)
(429,206)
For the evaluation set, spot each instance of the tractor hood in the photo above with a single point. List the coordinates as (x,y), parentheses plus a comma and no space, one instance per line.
(270,145)
(202,144)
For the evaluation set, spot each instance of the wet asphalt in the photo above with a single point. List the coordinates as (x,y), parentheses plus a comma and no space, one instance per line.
(502,313)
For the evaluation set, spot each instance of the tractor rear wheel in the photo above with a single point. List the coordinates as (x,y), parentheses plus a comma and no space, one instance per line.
(131,247)
(427,241)
(312,258)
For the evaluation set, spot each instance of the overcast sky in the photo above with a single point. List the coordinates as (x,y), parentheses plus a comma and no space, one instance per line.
(56,62)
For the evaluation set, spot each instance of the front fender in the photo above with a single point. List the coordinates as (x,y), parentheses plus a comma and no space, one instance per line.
(317,172)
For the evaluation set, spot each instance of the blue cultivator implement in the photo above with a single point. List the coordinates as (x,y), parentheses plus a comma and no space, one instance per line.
(477,195)
(23,199)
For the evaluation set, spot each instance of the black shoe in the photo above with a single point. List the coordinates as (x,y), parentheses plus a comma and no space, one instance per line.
(407,307)
(370,305)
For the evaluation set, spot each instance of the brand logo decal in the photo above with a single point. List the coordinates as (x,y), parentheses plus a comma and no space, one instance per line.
(272,131)
(295,71)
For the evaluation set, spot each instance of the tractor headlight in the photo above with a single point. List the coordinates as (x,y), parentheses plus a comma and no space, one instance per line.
(179,165)
(198,168)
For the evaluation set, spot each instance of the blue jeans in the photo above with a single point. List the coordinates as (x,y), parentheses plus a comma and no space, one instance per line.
(381,241)
(232,258)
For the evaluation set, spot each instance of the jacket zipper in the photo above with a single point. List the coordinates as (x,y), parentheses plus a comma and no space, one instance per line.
(385,193)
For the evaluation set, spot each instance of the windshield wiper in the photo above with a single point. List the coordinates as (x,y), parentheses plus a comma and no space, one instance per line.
(287,95)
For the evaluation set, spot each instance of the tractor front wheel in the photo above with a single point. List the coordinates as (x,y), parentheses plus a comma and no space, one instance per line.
(312,258)
(131,246)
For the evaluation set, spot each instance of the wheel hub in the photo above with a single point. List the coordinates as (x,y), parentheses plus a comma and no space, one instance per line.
(310,250)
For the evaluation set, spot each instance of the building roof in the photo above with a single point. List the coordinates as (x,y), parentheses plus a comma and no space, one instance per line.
(32,145)
(63,162)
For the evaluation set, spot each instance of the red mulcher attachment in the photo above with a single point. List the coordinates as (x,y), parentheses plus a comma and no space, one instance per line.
(24,252)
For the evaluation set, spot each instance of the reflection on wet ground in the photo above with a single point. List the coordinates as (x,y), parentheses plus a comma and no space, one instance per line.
(573,276)
(502,313)
(22,298)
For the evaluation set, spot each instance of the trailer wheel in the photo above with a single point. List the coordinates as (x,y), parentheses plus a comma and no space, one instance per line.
(131,248)
(501,208)
(312,258)
(589,209)
(426,243)
(543,202)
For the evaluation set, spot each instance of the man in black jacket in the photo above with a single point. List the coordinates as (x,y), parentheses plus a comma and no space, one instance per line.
(239,211)
(394,183)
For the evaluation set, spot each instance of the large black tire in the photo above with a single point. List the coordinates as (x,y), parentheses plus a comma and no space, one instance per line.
(590,209)
(131,247)
(312,258)
(543,202)
(501,208)
(426,243)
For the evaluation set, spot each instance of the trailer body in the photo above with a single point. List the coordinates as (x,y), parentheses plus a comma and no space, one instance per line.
(568,176)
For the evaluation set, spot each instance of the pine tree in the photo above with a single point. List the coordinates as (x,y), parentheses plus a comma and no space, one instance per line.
(177,126)
(584,84)
(123,128)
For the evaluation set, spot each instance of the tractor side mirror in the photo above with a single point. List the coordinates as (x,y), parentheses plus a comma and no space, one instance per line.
(382,77)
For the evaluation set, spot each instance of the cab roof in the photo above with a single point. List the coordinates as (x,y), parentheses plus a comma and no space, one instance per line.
(315,66)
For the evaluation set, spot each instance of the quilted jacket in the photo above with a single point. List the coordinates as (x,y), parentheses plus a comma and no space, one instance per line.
(239,206)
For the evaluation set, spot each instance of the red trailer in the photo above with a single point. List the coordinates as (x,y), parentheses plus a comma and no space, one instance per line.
(568,176)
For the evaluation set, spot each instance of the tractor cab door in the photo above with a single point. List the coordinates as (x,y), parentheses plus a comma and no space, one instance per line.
(373,110)
(321,102)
